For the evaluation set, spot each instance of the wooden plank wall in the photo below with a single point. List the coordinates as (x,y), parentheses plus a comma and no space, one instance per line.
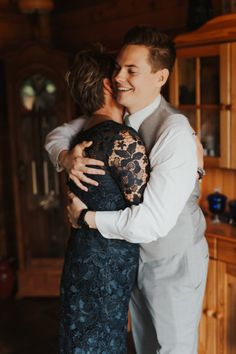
(108,20)
(220,178)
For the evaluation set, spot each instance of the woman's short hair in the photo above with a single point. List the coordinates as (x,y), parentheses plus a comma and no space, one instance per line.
(85,78)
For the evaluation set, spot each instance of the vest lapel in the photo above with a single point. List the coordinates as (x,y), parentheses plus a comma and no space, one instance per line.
(152,124)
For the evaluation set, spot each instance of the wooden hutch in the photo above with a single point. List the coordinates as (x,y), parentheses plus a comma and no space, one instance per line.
(203,86)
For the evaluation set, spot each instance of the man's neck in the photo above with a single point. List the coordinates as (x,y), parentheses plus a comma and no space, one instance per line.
(133,110)
(137,118)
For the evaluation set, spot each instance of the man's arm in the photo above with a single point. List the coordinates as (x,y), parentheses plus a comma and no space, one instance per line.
(58,140)
(57,145)
(75,208)
(173,176)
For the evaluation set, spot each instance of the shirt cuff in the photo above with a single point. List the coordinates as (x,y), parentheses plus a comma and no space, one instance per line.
(106,222)
(54,157)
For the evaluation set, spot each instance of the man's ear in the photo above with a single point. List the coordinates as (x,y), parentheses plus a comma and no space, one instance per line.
(107,85)
(163,75)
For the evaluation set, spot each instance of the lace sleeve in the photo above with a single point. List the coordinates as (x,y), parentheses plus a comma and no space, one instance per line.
(129,165)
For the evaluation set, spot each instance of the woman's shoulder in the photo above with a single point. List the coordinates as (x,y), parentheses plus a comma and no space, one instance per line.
(115,130)
(108,131)
(123,130)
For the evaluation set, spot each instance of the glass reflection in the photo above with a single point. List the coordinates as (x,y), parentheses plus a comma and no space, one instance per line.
(210,131)
(209,78)
(38,93)
(187,81)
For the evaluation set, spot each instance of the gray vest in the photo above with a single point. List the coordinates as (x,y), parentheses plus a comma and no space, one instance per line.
(190,226)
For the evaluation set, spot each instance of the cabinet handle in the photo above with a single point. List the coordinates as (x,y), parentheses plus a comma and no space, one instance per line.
(225,107)
(209,312)
(218,315)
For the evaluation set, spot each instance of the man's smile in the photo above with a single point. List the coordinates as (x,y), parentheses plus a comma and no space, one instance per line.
(123,89)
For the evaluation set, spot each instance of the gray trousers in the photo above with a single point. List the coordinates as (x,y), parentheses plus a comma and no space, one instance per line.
(166,303)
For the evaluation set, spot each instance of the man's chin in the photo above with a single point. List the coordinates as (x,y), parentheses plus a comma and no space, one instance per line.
(123,101)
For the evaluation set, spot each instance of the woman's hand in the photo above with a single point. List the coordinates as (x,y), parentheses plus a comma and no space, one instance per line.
(75,163)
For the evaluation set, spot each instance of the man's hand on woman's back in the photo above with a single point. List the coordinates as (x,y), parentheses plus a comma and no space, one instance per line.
(77,165)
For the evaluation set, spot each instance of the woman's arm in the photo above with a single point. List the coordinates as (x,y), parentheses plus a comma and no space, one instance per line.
(129,166)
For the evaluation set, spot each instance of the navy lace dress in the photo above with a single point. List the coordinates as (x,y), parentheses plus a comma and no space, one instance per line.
(99,273)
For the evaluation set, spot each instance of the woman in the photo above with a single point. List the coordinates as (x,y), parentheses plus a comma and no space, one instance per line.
(98,273)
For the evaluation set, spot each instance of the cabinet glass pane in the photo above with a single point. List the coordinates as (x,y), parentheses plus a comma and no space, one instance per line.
(187,81)
(209,80)
(38,93)
(190,113)
(40,184)
(210,131)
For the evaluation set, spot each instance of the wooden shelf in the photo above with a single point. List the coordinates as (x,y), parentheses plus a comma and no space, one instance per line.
(221,231)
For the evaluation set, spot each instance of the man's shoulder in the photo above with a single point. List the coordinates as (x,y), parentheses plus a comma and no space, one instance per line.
(172,116)
(80,119)
(175,119)
(178,120)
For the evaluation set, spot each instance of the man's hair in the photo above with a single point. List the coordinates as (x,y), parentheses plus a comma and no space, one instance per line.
(161,48)
(85,78)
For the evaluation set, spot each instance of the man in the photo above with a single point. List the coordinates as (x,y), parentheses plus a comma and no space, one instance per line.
(169,225)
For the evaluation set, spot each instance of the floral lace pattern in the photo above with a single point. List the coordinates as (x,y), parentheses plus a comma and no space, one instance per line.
(128,162)
(99,273)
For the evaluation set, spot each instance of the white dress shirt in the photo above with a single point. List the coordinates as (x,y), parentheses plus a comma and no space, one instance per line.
(173,161)
(59,139)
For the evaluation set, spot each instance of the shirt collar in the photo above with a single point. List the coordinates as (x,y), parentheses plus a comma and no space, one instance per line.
(137,118)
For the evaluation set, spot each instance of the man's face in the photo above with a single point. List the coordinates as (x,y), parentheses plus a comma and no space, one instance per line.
(135,85)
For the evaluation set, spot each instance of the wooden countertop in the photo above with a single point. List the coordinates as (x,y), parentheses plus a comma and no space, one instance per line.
(222,241)
(222,231)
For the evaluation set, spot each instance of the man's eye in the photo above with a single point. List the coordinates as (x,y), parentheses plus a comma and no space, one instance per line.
(132,72)
(116,69)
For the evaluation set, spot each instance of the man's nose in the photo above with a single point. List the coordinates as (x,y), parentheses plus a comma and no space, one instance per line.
(119,76)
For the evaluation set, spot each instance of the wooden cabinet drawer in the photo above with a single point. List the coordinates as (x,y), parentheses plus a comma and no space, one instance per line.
(226,251)
(38,284)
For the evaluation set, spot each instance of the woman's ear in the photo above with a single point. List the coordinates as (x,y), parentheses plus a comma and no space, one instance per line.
(107,85)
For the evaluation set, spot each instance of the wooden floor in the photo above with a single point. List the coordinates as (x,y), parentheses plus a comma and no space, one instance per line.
(30,326)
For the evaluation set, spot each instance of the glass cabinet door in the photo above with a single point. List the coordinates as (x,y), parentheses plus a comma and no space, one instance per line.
(187,89)
(197,82)
(38,101)
(210,105)
(187,81)
(39,181)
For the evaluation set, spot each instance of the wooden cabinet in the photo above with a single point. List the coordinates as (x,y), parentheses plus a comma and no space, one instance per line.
(38,100)
(203,86)
(227,307)
(218,323)
(208,326)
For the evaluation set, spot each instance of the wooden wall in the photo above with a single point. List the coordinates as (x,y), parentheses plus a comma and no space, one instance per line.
(73,24)
(14,26)
(108,20)
(220,178)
